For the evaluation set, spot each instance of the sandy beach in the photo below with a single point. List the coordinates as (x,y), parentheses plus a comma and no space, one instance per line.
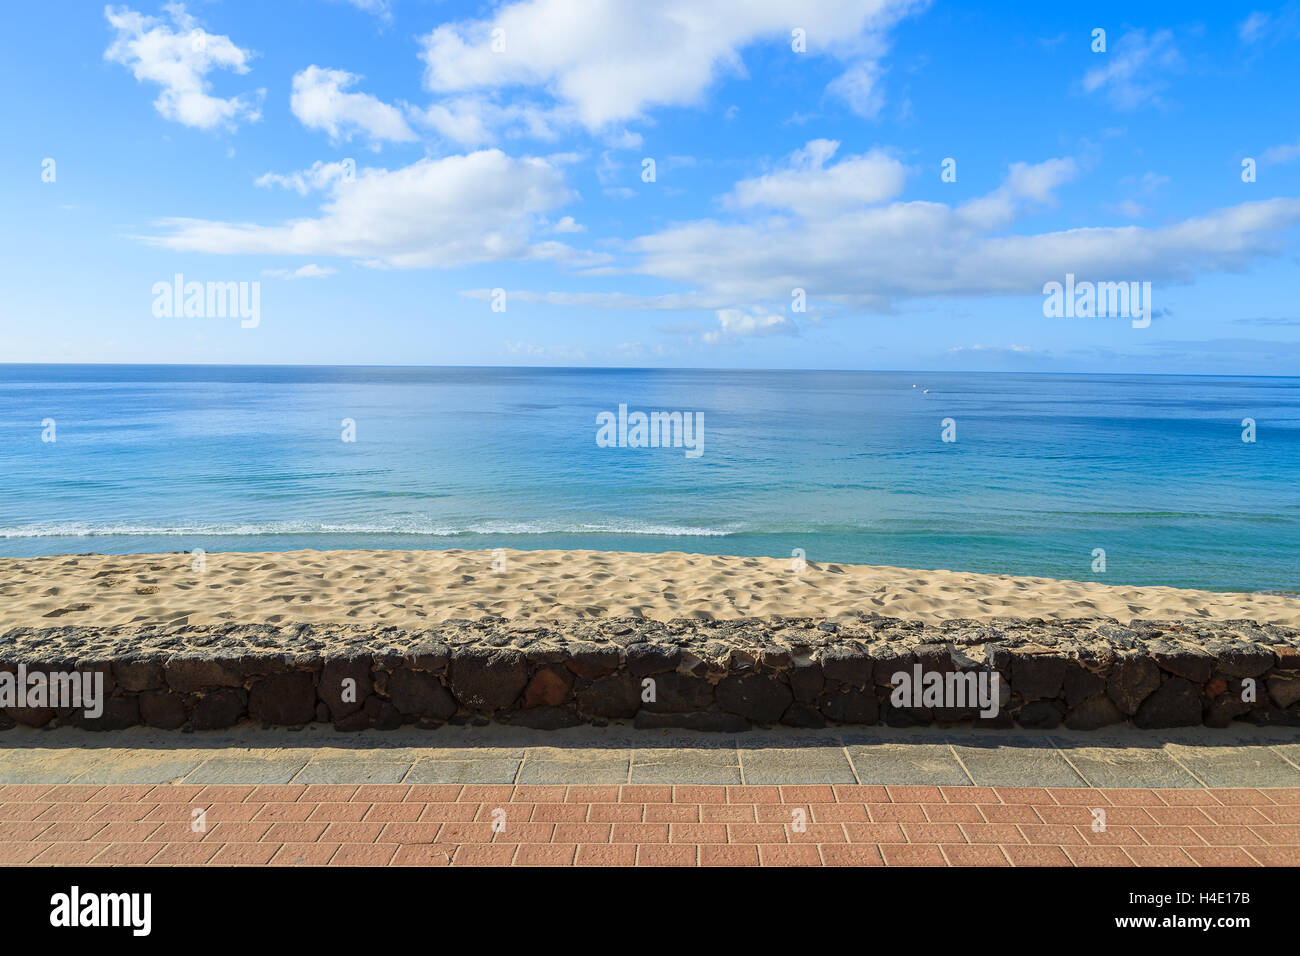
(412,587)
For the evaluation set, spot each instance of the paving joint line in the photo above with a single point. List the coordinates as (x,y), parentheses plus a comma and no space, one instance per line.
(961,763)
(857,778)
(302,768)
(1164,748)
(1069,763)
(1285,758)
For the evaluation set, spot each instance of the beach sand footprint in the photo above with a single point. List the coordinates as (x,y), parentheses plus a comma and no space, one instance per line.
(70,609)
(401,588)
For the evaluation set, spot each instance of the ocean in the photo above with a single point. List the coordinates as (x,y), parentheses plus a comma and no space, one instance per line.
(1044,471)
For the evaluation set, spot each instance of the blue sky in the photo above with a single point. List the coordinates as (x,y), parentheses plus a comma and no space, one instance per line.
(379,168)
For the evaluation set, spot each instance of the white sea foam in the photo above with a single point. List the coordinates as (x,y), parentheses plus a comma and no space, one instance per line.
(397,527)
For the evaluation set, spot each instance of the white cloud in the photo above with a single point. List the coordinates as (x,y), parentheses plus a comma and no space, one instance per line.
(1132,74)
(1129,208)
(1276,155)
(1253,27)
(1148,185)
(608,168)
(608,300)
(1024,183)
(310,271)
(735,324)
(434,213)
(1269,29)
(859,86)
(476,120)
(178,60)
(460,120)
(1004,349)
(608,59)
(321,175)
(1267,321)
(568,225)
(871,251)
(625,139)
(876,256)
(320,101)
(551,353)
(379,8)
(1038,181)
(806,185)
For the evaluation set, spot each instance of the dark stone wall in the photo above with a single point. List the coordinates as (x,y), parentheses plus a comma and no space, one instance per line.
(709,675)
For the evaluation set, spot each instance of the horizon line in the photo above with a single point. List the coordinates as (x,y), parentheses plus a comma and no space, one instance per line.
(635,368)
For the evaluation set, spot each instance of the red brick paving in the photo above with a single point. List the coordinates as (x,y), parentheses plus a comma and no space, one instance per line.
(439,825)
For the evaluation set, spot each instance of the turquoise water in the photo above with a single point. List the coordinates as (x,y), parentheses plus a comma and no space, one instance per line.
(848,466)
